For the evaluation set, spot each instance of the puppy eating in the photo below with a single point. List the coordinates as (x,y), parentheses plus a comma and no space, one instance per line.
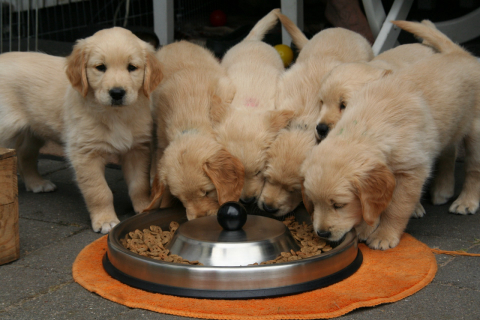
(100,106)
(297,91)
(248,126)
(193,166)
(369,171)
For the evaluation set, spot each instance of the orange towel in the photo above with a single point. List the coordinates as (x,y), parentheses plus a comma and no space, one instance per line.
(385,276)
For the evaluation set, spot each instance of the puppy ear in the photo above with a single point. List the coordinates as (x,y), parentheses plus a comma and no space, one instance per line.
(279,119)
(158,189)
(77,68)
(375,191)
(227,174)
(307,202)
(153,73)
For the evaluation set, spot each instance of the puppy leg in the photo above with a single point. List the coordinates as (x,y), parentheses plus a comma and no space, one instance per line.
(444,182)
(467,202)
(136,170)
(395,218)
(90,174)
(28,147)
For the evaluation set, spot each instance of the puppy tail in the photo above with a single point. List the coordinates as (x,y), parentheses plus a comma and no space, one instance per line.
(431,36)
(299,39)
(263,26)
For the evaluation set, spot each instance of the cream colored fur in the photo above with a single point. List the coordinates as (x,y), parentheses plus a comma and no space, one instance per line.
(297,91)
(68,100)
(249,125)
(193,166)
(369,171)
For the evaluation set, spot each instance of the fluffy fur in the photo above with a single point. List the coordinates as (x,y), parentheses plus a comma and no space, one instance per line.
(369,171)
(249,125)
(193,166)
(95,102)
(297,91)
(342,81)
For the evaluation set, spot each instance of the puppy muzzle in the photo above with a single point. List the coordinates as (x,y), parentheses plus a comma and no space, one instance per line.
(117,95)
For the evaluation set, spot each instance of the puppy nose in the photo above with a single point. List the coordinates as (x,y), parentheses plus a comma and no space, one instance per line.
(117,93)
(269,209)
(248,200)
(322,130)
(324,234)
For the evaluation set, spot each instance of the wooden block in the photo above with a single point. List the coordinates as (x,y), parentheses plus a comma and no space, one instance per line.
(9,235)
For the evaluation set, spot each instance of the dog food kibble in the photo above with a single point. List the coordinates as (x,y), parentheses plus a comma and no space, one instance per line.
(152,242)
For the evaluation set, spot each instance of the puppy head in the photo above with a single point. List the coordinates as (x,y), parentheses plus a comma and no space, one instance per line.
(202,178)
(345,185)
(248,135)
(281,193)
(114,66)
(337,89)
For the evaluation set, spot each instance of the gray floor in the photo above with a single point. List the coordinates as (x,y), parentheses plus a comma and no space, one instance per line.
(55,227)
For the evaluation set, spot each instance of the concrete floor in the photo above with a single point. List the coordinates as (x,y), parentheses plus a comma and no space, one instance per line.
(55,227)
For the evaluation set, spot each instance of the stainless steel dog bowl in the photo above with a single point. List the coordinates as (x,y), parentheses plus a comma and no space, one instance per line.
(226,255)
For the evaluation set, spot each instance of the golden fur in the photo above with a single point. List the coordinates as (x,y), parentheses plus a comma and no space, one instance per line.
(369,171)
(297,91)
(70,101)
(192,166)
(342,81)
(248,126)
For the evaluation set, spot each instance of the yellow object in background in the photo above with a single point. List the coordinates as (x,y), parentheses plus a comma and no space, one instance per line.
(285,53)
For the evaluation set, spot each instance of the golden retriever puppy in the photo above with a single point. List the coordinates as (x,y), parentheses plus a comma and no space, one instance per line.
(297,91)
(369,171)
(248,126)
(96,103)
(192,166)
(342,81)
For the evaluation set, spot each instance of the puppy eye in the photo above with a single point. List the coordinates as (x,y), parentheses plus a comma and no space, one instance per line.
(258,172)
(131,68)
(101,67)
(338,205)
(205,194)
(342,105)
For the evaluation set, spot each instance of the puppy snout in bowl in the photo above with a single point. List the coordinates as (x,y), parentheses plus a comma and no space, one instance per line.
(269,209)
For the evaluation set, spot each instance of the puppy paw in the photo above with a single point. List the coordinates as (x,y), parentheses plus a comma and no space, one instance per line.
(364,231)
(464,206)
(382,240)
(419,211)
(41,186)
(440,197)
(140,204)
(104,225)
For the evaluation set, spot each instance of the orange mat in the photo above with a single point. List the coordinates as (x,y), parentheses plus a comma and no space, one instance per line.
(385,276)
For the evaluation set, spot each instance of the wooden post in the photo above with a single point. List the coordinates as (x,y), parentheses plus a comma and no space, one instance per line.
(9,235)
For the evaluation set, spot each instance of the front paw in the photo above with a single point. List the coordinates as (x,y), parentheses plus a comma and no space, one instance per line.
(383,240)
(464,206)
(104,225)
(41,186)
(419,211)
(140,204)
(364,230)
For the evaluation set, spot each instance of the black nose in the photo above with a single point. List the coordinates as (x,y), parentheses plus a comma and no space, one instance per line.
(324,234)
(322,130)
(117,93)
(248,200)
(269,209)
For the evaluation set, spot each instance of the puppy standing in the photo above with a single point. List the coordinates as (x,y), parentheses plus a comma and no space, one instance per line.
(381,151)
(103,110)
(343,81)
(193,166)
(250,124)
(297,91)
